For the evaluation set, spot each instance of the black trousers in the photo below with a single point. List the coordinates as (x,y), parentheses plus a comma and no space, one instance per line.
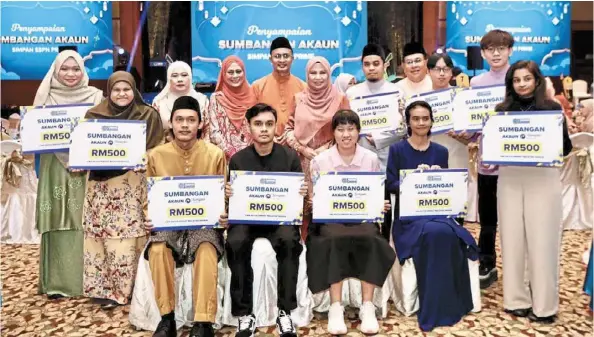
(288,248)
(487,208)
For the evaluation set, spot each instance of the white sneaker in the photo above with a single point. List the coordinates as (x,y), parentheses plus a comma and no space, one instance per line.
(336,324)
(369,324)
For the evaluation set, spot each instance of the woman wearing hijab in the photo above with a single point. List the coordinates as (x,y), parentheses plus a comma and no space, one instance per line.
(113,217)
(60,193)
(179,83)
(309,130)
(530,216)
(225,124)
(344,81)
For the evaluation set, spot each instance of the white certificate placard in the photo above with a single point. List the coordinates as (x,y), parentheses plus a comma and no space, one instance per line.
(441,102)
(266,198)
(103,144)
(348,197)
(433,194)
(471,105)
(46,129)
(188,202)
(523,139)
(379,112)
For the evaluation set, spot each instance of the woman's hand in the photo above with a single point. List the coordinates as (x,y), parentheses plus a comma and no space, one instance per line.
(387,206)
(224,220)
(76,170)
(435,167)
(303,189)
(423,167)
(228,190)
(308,152)
(148,226)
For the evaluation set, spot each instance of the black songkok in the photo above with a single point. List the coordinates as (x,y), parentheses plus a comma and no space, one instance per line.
(413,48)
(280,42)
(374,49)
(186,102)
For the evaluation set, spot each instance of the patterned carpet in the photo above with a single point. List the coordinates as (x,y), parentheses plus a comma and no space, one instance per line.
(24,313)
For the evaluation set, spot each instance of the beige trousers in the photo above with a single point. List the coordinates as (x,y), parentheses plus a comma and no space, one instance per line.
(204,288)
(530,211)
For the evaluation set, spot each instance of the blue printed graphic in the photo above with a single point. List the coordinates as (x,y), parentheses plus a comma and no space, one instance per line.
(336,30)
(32,32)
(541,29)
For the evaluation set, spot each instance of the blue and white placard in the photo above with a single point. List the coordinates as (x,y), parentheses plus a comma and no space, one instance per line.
(348,197)
(523,139)
(441,102)
(378,112)
(100,144)
(426,194)
(188,202)
(266,198)
(471,105)
(46,129)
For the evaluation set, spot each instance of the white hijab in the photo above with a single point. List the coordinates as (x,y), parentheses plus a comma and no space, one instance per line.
(163,102)
(342,82)
(53,92)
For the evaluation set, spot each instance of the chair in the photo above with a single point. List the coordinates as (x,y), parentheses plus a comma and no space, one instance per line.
(18,203)
(578,195)
(580,90)
(405,294)
(144,313)
(264,265)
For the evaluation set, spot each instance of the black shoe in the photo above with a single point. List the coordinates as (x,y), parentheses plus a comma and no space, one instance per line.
(487,276)
(202,330)
(110,305)
(166,327)
(544,320)
(246,326)
(55,297)
(285,325)
(519,312)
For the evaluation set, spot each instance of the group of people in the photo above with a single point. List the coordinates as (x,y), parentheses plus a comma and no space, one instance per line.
(94,225)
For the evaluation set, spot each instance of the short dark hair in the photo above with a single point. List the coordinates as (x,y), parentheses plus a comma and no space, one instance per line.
(497,38)
(417,104)
(345,117)
(257,109)
(435,57)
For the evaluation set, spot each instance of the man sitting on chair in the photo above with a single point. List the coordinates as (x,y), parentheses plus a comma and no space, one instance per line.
(186,155)
(263,155)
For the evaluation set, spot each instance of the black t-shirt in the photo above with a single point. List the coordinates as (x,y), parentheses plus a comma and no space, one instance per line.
(281,159)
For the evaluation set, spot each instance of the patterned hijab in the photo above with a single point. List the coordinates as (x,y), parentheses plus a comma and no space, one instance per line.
(235,100)
(136,110)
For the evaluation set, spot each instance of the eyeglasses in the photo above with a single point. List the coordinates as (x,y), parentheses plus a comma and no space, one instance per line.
(285,56)
(500,49)
(415,61)
(438,70)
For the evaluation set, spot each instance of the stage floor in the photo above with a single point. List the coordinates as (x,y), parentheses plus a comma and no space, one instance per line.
(24,313)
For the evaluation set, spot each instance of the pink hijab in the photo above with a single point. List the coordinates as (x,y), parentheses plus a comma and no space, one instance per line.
(235,100)
(315,107)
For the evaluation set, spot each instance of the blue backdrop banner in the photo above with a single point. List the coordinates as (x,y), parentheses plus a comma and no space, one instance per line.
(336,30)
(541,30)
(33,31)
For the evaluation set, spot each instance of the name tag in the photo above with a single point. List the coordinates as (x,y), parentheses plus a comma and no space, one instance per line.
(46,129)
(348,197)
(177,203)
(266,198)
(433,194)
(523,139)
(98,144)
